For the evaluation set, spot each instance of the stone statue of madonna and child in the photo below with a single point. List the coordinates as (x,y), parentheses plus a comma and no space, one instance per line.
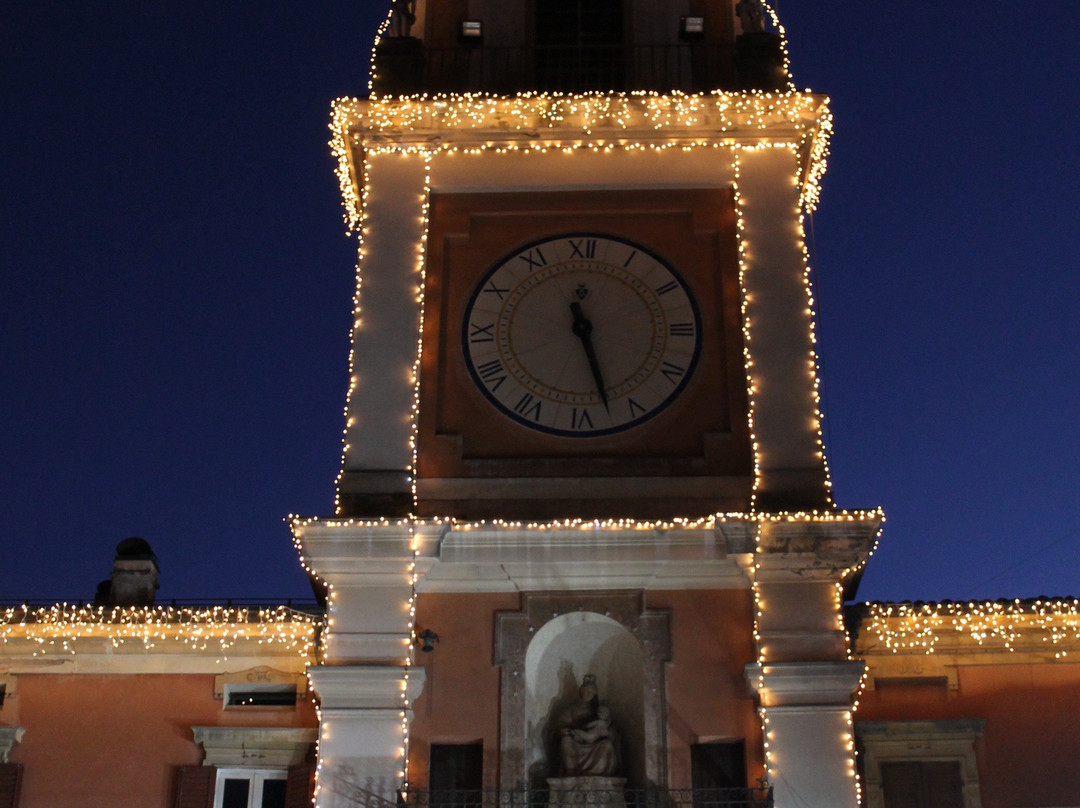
(588,749)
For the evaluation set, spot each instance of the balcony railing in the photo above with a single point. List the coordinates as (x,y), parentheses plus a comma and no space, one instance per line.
(404,67)
(601,68)
(630,797)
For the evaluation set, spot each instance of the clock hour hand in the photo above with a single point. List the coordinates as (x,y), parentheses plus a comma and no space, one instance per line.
(582,329)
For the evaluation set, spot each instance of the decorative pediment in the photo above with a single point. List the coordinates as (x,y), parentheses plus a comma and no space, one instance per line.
(254,746)
(260,679)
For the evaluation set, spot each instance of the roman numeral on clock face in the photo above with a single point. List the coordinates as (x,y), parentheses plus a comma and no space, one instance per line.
(492,374)
(533,263)
(529,406)
(681,329)
(492,289)
(580,419)
(672,371)
(583,248)
(481,333)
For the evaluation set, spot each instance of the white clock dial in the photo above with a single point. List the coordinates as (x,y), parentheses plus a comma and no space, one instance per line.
(581,335)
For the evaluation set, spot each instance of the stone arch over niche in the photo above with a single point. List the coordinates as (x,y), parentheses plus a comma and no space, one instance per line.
(556,662)
(545,649)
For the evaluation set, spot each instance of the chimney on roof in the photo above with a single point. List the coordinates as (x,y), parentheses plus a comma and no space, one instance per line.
(134,579)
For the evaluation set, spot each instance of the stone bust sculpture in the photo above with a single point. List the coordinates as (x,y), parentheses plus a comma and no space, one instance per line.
(402,17)
(588,746)
(751,15)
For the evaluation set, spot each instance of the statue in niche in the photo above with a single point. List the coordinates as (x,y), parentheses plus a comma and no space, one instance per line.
(402,17)
(751,15)
(588,746)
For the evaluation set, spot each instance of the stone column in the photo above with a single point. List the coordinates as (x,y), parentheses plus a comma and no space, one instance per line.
(808,731)
(375,478)
(804,679)
(363,730)
(365,684)
(780,327)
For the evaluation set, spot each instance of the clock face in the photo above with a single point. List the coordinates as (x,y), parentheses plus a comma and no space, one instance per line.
(581,335)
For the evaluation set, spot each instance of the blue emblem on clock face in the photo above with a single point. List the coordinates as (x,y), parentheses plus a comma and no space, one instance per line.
(581,335)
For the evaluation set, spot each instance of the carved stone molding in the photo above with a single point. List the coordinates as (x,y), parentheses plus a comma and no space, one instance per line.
(259,677)
(917,741)
(254,746)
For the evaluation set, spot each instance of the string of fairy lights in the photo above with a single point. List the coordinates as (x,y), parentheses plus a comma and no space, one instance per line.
(538,123)
(63,627)
(1044,624)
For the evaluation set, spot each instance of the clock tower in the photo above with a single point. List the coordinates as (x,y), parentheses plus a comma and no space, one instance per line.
(583,446)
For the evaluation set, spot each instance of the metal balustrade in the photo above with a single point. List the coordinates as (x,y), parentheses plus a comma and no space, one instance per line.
(598,68)
(759,797)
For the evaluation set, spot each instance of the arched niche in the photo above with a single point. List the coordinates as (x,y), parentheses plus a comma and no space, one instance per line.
(545,651)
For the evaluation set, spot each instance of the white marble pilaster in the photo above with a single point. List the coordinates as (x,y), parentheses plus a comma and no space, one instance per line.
(810,754)
(365,713)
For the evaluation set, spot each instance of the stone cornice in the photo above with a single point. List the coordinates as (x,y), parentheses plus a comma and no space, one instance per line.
(718,552)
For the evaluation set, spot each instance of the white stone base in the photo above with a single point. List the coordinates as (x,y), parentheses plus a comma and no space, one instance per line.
(597,792)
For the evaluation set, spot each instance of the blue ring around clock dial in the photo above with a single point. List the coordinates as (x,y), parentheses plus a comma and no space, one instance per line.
(524,357)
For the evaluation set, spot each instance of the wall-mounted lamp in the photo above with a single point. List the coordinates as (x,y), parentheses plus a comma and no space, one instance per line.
(426,639)
(691,27)
(471,32)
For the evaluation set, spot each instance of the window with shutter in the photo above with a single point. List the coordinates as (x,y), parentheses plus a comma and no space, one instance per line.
(10,780)
(195,787)
(300,788)
(922,784)
(920,764)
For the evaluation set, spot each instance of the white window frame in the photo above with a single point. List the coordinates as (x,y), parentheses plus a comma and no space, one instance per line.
(255,776)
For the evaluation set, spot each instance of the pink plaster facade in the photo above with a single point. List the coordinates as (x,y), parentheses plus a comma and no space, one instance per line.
(1029,746)
(114,741)
(707,696)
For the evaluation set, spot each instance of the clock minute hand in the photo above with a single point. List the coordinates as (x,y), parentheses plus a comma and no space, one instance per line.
(582,329)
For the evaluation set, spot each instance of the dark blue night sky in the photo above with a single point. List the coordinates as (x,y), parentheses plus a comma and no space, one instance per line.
(177,281)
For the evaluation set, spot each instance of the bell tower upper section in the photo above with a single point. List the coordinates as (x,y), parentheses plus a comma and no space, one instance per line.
(582,287)
(510,47)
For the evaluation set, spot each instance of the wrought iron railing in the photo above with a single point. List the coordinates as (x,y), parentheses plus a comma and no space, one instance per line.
(760,797)
(601,68)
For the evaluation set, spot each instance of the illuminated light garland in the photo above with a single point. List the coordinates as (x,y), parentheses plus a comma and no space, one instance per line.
(1008,625)
(299,523)
(785,56)
(379,34)
(57,628)
(748,362)
(534,123)
(361,254)
(851,722)
(421,273)
(745,252)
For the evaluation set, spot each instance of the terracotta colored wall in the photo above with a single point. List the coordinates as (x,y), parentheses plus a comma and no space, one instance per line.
(708,699)
(460,702)
(443,18)
(114,741)
(1030,745)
